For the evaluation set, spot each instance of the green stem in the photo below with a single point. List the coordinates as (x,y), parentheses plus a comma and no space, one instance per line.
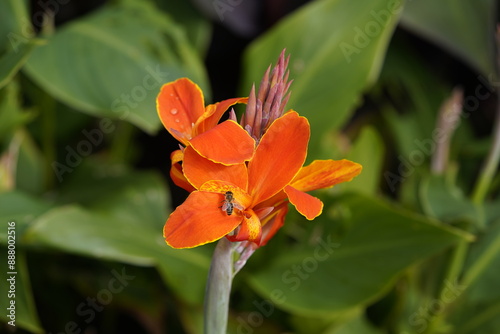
(482,262)
(491,165)
(218,289)
(455,267)
(490,312)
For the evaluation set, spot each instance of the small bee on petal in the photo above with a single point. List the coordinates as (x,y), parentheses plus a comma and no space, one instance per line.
(229,203)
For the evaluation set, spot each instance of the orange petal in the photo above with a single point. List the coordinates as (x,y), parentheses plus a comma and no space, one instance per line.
(176,173)
(309,206)
(273,223)
(250,229)
(198,221)
(325,173)
(179,105)
(227,143)
(213,113)
(176,156)
(199,170)
(279,156)
(179,179)
(242,199)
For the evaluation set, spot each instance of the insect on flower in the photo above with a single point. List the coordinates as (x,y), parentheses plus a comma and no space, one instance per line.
(229,203)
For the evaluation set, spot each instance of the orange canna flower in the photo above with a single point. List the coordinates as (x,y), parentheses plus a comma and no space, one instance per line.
(241,177)
(181,108)
(259,183)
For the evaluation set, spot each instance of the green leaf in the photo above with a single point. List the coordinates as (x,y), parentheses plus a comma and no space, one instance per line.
(15,26)
(198,28)
(75,230)
(445,201)
(368,150)
(336,47)
(21,208)
(12,61)
(118,192)
(25,313)
(122,222)
(358,325)
(113,62)
(330,277)
(464,28)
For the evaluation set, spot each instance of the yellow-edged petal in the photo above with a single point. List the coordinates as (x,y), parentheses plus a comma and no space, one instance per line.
(176,172)
(278,157)
(179,105)
(213,113)
(199,220)
(325,173)
(198,170)
(309,206)
(227,143)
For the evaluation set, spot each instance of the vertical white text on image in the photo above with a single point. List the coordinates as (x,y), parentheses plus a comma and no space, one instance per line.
(11,272)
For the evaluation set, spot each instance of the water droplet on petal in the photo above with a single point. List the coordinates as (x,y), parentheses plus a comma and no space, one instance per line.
(177,121)
(172,94)
(173,111)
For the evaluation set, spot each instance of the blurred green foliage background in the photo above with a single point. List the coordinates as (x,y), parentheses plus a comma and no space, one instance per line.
(409,89)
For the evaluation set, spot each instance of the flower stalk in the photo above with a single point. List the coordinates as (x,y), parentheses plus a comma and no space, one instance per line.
(218,288)
(448,118)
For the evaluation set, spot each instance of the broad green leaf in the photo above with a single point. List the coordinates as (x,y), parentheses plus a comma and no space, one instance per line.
(76,230)
(445,201)
(340,275)
(368,150)
(336,47)
(309,324)
(198,28)
(15,24)
(116,191)
(358,325)
(113,62)
(25,313)
(20,208)
(12,61)
(140,198)
(463,27)
(123,221)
